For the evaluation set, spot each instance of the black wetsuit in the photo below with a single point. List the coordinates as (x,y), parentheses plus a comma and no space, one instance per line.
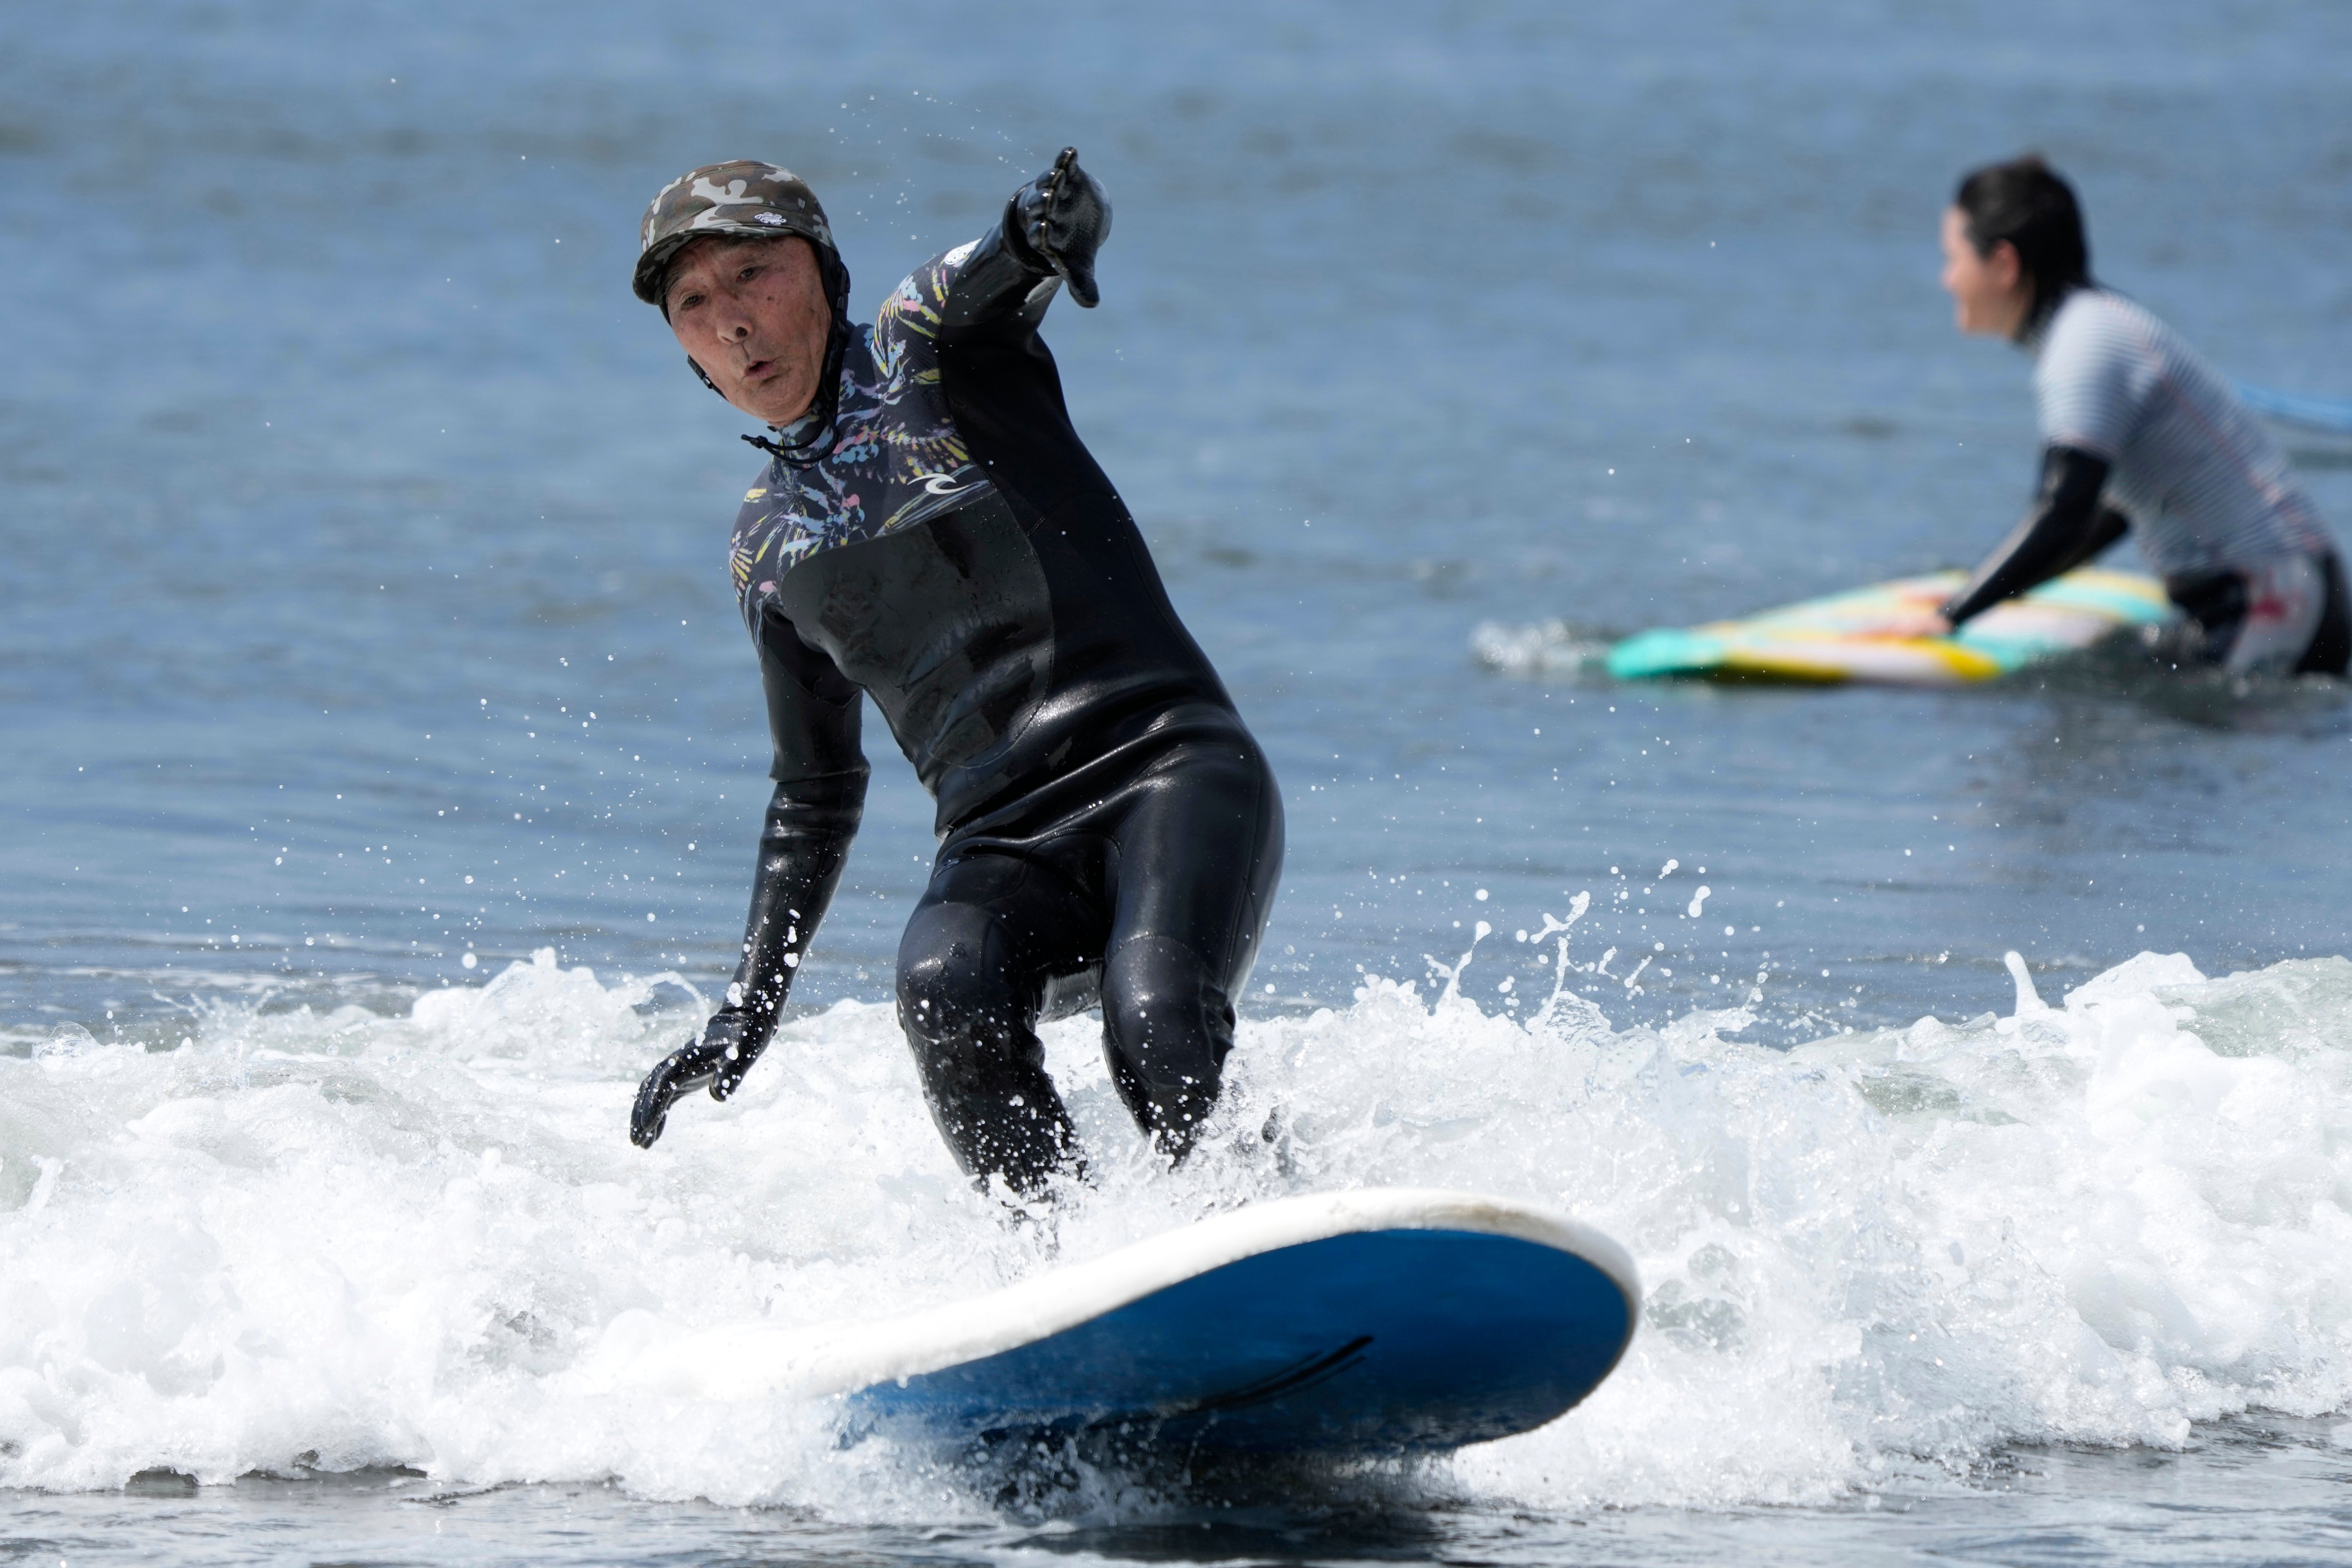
(1109,830)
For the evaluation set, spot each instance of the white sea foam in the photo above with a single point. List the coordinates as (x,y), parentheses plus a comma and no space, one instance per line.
(325,1241)
(1543,649)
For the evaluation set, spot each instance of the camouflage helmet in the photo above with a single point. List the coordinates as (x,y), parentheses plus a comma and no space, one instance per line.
(746,197)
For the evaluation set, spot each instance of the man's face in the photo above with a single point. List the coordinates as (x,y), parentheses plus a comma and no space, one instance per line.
(752,314)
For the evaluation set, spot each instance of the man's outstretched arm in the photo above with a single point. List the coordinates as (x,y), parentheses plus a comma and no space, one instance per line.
(1051,230)
(813,714)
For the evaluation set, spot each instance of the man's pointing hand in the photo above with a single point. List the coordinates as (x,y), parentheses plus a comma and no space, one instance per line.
(1063,216)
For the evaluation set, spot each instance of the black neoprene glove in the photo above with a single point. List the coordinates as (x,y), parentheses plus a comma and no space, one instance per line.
(1057,221)
(728,1045)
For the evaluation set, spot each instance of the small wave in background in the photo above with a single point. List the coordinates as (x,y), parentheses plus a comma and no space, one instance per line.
(1547,647)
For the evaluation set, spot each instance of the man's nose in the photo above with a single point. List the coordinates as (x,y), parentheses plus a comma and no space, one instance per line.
(733,322)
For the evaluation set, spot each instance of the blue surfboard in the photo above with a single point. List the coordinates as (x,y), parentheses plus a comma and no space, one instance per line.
(1382,1320)
(1390,1340)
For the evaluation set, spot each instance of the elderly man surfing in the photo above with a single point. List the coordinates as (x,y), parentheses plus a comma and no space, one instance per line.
(928,531)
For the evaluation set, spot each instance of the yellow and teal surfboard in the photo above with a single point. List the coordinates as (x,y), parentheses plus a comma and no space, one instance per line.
(1825,640)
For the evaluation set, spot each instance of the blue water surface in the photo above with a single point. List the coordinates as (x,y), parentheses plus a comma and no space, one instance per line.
(365,538)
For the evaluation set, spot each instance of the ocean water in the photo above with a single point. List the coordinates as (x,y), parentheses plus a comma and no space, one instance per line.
(384,753)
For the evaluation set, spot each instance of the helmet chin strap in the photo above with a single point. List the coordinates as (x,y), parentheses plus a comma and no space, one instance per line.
(770,447)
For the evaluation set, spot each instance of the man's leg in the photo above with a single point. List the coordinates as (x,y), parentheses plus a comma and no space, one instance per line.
(993,932)
(1199,852)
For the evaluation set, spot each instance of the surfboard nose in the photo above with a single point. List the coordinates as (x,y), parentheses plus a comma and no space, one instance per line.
(1384,1341)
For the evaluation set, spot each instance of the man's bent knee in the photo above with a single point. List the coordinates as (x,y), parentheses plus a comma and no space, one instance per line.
(1168,1027)
(972,1031)
(956,979)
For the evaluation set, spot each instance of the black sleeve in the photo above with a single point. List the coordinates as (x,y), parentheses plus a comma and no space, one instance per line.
(820,773)
(812,708)
(1003,281)
(2066,528)
(1003,388)
(2105,529)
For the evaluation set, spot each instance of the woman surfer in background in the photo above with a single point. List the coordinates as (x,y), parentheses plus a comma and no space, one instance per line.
(2138,432)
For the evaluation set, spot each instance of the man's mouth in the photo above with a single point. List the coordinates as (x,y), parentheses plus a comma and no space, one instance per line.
(758,370)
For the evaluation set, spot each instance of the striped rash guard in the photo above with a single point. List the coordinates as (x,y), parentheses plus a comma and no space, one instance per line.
(2203,484)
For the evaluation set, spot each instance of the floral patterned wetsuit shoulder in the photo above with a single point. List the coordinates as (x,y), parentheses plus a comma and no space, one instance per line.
(896,459)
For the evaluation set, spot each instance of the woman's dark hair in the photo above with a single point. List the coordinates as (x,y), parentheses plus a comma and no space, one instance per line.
(2026,203)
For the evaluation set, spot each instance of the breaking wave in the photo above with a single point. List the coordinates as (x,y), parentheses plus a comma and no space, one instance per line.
(300,1242)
